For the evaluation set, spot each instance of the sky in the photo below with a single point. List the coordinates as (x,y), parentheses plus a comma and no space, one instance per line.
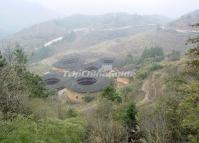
(170,8)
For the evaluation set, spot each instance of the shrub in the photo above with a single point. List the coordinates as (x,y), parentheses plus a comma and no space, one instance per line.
(127,115)
(88,98)
(25,130)
(143,72)
(111,94)
(71,113)
(157,54)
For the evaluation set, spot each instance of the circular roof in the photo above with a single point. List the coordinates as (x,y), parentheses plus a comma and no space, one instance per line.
(70,62)
(80,84)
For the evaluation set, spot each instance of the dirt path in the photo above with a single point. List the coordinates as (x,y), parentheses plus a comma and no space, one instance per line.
(152,87)
(145,89)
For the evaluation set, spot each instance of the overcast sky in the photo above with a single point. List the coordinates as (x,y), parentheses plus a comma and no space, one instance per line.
(171,8)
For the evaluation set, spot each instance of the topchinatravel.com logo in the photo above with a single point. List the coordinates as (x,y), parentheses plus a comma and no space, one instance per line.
(97,74)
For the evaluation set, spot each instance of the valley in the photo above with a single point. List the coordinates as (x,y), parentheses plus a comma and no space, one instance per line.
(109,78)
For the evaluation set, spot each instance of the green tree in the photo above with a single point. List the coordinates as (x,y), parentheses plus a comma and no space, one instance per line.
(17,85)
(111,94)
(35,85)
(129,116)
(2,60)
(20,60)
(189,109)
(13,93)
(20,56)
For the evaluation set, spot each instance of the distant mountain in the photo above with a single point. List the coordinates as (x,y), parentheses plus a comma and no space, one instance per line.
(17,14)
(107,33)
(185,21)
(110,20)
(79,31)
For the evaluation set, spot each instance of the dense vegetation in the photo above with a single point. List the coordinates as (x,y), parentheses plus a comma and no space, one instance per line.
(24,130)
(174,118)
(18,121)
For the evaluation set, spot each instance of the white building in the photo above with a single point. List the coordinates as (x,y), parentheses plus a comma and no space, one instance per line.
(106,67)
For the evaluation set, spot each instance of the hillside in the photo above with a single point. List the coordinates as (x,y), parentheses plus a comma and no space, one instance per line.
(102,34)
(79,28)
(167,40)
(109,78)
(186,20)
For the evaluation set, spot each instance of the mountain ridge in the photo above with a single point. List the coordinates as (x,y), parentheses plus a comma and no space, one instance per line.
(185,21)
(79,32)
